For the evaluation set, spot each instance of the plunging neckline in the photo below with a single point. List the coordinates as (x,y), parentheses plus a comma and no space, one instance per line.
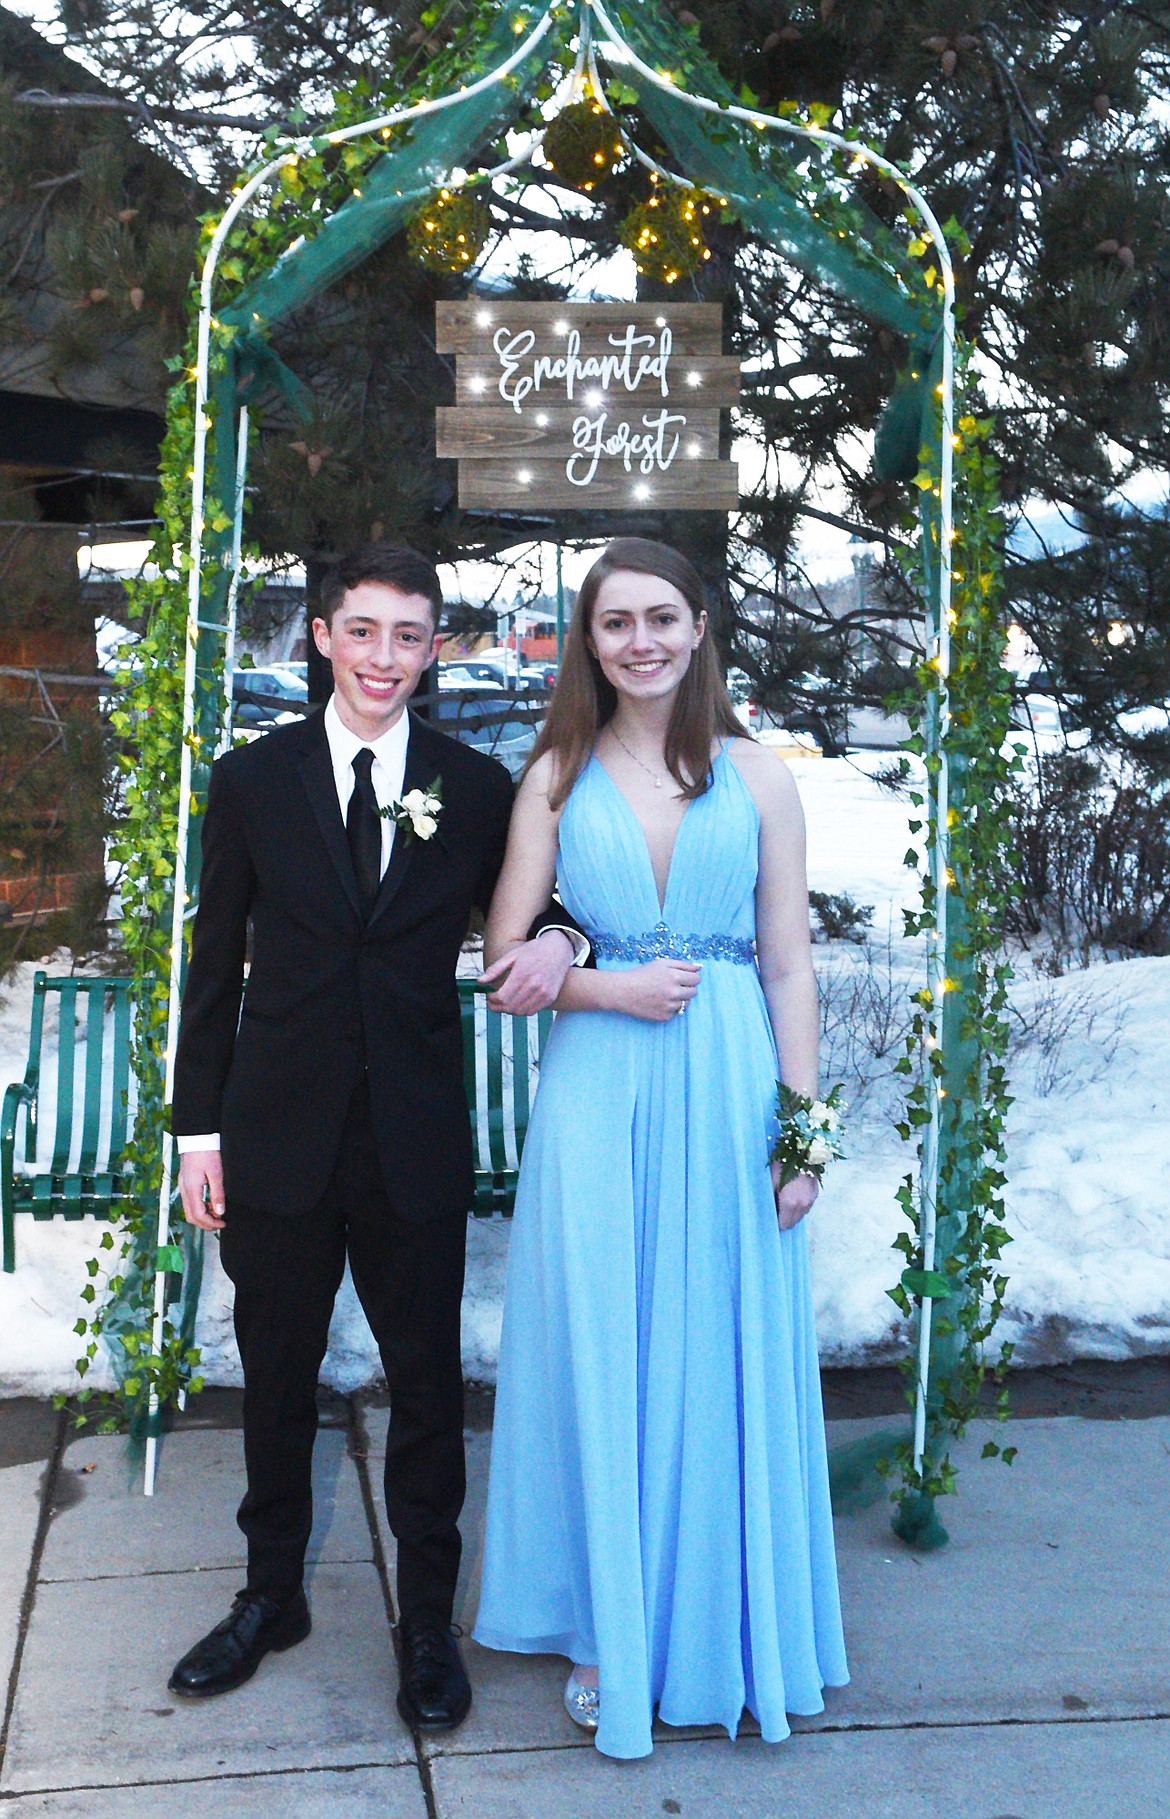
(628,806)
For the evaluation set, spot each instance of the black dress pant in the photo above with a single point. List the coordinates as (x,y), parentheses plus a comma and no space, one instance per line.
(409,1279)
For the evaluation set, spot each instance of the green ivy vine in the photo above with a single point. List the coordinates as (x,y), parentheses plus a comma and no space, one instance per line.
(968,1068)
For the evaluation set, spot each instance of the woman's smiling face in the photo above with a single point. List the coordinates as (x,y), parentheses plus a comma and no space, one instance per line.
(643,635)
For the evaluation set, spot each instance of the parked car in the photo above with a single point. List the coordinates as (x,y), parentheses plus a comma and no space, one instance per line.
(478,722)
(500,671)
(454,675)
(257,693)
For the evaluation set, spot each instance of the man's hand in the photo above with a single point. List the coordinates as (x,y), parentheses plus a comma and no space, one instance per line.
(201,1170)
(531,975)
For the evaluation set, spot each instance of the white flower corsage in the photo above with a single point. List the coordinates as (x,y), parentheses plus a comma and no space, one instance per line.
(810,1133)
(417,813)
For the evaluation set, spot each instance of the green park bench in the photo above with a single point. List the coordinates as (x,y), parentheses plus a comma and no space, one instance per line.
(501,1056)
(85,1174)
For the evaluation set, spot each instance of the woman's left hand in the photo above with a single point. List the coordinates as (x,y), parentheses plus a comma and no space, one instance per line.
(794,1199)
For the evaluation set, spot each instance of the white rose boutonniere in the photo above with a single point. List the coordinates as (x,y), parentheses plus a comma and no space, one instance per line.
(417,813)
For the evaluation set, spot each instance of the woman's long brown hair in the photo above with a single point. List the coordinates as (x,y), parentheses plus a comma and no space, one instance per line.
(584,700)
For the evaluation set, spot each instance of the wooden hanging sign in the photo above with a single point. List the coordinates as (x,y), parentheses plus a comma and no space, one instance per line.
(587,405)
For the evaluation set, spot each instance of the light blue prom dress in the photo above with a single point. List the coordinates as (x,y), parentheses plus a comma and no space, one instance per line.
(659,1499)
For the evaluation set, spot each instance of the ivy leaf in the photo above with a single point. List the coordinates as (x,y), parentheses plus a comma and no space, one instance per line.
(928,1285)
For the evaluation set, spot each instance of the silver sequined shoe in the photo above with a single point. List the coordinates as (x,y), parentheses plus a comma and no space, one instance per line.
(582,1703)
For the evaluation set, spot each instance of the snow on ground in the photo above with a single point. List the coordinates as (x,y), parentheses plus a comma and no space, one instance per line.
(1089,1162)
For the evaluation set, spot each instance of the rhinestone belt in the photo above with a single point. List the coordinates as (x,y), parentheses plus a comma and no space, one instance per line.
(663,943)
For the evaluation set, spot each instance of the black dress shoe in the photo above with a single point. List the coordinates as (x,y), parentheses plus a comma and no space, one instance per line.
(435,1693)
(231,1652)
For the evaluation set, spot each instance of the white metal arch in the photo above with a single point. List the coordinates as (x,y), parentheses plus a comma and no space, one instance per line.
(610,43)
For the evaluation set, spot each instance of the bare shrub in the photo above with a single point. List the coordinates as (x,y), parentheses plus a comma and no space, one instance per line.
(1057,1027)
(1092,859)
(865,1013)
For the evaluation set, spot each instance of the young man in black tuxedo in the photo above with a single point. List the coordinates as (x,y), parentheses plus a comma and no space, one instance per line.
(320,1112)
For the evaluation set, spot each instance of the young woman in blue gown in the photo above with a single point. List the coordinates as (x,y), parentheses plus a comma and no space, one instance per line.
(658,1509)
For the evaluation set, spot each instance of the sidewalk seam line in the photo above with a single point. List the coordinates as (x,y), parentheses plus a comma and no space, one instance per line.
(1066,1720)
(241,1774)
(45,1516)
(184,1572)
(360,1455)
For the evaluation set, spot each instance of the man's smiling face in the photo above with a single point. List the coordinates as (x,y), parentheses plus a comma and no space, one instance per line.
(379,643)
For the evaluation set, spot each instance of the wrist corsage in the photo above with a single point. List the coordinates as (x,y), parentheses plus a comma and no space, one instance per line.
(417,813)
(810,1133)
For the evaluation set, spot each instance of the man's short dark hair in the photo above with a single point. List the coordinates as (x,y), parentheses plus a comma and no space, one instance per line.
(392,565)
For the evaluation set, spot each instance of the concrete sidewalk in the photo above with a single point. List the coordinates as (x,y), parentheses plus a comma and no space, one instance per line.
(1021,1673)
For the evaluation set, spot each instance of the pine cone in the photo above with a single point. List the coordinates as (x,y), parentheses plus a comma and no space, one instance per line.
(1101,105)
(313,456)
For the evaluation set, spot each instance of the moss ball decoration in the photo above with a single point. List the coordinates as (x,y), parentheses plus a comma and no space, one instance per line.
(449,234)
(665,233)
(583,144)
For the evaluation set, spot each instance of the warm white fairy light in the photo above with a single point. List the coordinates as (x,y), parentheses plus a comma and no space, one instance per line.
(524,476)
(483,318)
(477,383)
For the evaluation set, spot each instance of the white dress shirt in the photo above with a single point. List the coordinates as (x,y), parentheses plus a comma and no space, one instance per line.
(387,774)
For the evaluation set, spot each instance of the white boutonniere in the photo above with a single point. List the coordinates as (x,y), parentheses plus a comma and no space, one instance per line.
(417,813)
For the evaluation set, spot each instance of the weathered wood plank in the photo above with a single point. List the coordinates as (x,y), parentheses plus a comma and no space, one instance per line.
(464,327)
(482,431)
(699,379)
(498,485)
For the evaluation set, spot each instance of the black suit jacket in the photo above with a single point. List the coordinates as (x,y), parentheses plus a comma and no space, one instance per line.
(327,995)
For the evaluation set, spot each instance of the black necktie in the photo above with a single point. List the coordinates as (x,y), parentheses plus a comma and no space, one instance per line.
(363,825)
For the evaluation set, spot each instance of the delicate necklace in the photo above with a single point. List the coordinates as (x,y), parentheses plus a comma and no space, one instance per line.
(656,781)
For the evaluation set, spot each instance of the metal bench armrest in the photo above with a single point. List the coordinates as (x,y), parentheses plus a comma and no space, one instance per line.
(19,1093)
